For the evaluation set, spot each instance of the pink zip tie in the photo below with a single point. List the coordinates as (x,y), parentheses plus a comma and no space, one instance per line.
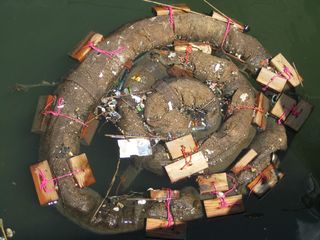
(59,114)
(293,110)
(44,181)
(168,203)
(171,19)
(109,54)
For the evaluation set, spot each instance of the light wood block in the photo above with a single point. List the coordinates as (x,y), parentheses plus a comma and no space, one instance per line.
(82,49)
(283,106)
(161,195)
(216,182)
(163,10)
(266,181)
(244,161)
(40,121)
(177,171)
(260,119)
(81,169)
(271,80)
(181,46)
(157,228)
(87,133)
(174,146)
(221,18)
(303,109)
(213,206)
(49,193)
(279,62)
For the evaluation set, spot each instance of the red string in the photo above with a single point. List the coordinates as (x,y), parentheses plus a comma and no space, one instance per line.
(171,18)
(222,195)
(58,113)
(286,74)
(188,52)
(168,205)
(109,54)
(242,107)
(293,110)
(186,154)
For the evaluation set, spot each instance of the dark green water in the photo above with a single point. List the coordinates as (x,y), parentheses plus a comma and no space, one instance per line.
(36,36)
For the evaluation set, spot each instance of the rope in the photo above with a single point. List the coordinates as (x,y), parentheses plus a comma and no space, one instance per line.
(171,18)
(168,204)
(188,52)
(286,74)
(293,110)
(186,154)
(109,54)
(222,196)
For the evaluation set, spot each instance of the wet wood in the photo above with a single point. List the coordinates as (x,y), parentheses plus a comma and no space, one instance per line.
(81,169)
(244,161)
(157,228)
(265,181)
(40,121)
(213,206)
(304,109)
(82,49)
(181,46)
(161,194)
(163,10)
(283,106)
(279,62)
(174,146)
(178,170)
(260,119)
(48,194)
(269,78)
(217,182)
(88,132)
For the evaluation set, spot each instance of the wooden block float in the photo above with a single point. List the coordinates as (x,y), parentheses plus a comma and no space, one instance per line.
(181,46)
(217,182)
(260,119)
(48,193)
(82,49)
(163,10)
(271,80)
(174,146)
(280,62)
(265,181)
(87,133)
(40,121)
(81,169)
(295,121)
(161,195)
(244,161)
(157,228)
(283,106)
(213,206)
(222,18)
(178,170)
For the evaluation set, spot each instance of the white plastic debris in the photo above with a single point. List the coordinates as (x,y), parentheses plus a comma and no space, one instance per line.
(170,106)
(116,209)
(134,147)
(137,99)
(172,55)
(244,96)
(142,202)
(101,75)
(217,67)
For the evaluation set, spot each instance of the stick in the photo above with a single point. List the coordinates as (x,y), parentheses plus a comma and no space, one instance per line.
(2,229)
(175,7)
(131,136)
(299,76)
(109,189)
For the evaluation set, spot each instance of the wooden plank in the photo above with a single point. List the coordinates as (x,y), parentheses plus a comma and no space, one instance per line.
(265,181)
(283,106)
(161,194)
(181,46)
(213,206)
(48,194)
(40,121)
(87,133)
(157,228)
(244,161)
(217,182)
(295,121)
(280,62)
(221,18)
(177,171)
(163,10)
(82,49)
(260,119)
(81,169)
(271,80)
(174,146)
